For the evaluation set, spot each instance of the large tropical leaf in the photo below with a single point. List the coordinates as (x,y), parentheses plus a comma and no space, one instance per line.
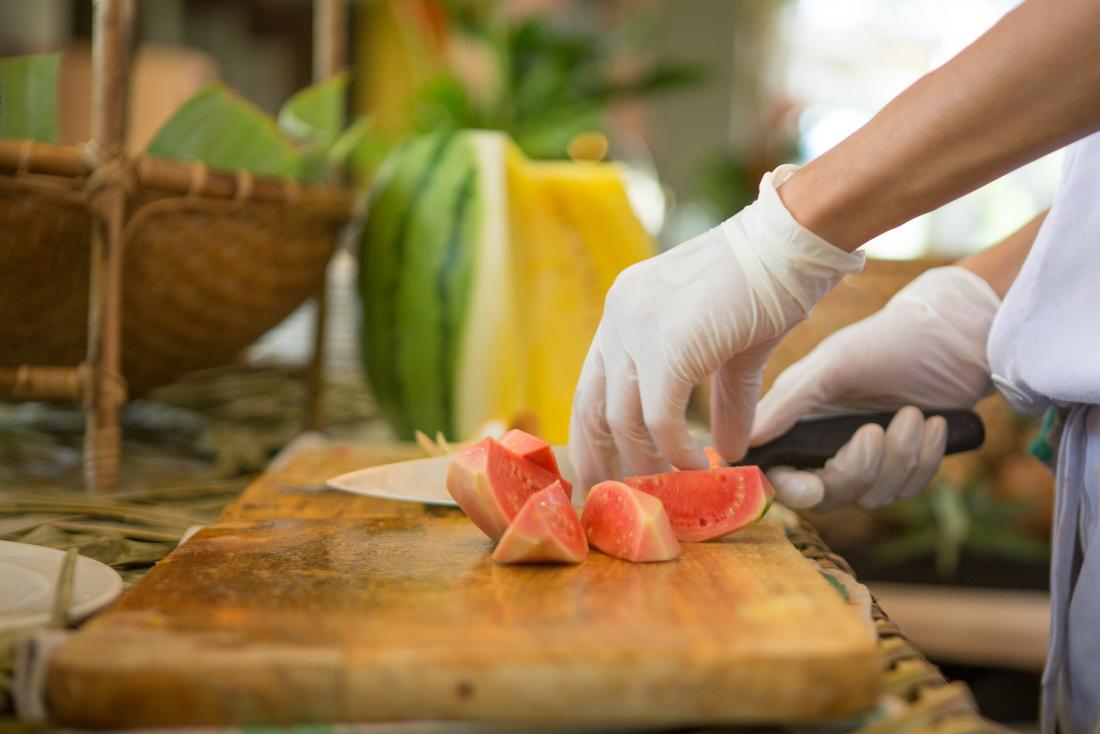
(226,131)
(359,150)
(314,117)
(28,97)
(316,114)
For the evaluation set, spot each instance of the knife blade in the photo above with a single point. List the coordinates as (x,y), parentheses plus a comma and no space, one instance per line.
(807,445)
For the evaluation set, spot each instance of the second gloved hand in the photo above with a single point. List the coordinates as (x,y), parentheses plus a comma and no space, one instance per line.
(715,305)
(926,347)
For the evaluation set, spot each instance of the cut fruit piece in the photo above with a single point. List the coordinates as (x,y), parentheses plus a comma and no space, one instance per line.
(537,451)
(531,448)
(628,524)
(714,459)
(546,530)
(483,278)
(491,484)
(441,342)
(703,505)
(573,230)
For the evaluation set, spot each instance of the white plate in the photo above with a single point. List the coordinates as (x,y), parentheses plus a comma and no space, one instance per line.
(28,577)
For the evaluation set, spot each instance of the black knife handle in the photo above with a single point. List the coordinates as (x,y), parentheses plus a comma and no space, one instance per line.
(811,443)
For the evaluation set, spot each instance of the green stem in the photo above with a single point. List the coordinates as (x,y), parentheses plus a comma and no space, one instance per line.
(63,594)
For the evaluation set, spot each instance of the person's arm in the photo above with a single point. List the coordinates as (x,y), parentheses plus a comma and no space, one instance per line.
(998,265)
(1030,85)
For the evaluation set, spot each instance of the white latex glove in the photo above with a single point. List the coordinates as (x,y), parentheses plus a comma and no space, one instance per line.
(715,305)
(926,347)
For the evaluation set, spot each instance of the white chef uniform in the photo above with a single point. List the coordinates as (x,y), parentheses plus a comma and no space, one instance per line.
(1044,351)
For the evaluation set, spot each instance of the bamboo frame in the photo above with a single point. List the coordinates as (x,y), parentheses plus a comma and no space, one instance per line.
(329,55)
(110,102)
(171,177)
(105,176)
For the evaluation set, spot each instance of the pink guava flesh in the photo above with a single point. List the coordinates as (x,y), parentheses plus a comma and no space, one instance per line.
(628,524)
(491,484)
(703,505)
(537,451)
(546,530)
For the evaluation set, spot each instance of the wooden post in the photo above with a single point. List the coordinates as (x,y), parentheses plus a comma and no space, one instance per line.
(330,28)
(107,192)
(329,54)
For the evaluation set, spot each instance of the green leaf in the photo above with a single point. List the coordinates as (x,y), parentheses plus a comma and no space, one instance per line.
(658,78)
(837,586)
(28,97)
(359,151)
(953,522)
(228,132)
(907,547)
(1014,546)
(442,104)
(548,137)
(313,164)
(315,115)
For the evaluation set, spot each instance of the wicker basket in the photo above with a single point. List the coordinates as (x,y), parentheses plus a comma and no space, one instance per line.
(118,274)
(212,261)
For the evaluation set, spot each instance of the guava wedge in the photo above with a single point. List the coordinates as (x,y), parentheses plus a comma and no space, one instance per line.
(491,483)
(628,524)
(537,451)
(707,504)
(714,459)
(546,530)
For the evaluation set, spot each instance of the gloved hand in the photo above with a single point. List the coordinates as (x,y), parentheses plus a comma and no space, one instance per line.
(715,305)
(926,347)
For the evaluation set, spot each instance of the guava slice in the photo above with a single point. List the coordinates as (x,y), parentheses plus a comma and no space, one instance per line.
(628,524)
(707,504)
(714,459)
(537,451)
(491,484)
(546,530)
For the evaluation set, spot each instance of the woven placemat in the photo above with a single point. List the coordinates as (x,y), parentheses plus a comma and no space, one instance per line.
(915,696)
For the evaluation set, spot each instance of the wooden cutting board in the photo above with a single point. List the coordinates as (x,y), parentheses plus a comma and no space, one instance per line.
(303,605)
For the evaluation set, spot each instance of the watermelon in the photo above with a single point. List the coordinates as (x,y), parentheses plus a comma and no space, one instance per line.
(628,524)
(546,530)
(482,277)
(427,227)
(536,450)
(491,484)
(710,503)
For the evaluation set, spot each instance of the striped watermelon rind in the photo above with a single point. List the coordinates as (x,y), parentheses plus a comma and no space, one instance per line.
(428,222)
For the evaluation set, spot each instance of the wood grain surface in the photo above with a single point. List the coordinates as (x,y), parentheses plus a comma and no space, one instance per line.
(303,605)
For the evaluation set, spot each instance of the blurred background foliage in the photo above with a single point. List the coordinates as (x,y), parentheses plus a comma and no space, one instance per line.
(544,84)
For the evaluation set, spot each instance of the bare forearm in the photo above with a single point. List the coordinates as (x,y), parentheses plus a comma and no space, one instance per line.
(1027,87)
(998,265)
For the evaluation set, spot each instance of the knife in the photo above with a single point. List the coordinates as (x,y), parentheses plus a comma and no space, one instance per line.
(807,445)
